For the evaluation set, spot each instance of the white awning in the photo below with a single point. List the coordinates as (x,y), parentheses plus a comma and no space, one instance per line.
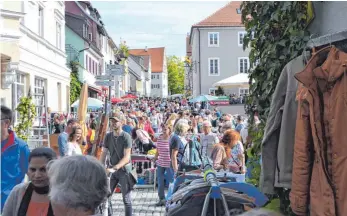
(237,81)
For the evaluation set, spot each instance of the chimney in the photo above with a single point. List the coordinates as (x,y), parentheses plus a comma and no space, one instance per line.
(146,49)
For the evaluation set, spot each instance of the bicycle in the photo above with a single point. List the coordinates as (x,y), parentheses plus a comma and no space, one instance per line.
(106,208)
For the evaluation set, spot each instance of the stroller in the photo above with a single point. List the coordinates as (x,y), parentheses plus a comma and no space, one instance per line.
(207,193)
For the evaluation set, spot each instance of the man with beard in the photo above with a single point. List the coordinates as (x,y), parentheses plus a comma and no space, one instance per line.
(118,144)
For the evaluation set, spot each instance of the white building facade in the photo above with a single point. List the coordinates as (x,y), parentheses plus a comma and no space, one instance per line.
(42,62)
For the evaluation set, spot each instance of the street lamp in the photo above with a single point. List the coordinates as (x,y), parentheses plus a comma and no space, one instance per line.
(9,76)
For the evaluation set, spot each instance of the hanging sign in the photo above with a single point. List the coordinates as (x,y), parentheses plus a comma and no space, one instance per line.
(115,70)
(104,83)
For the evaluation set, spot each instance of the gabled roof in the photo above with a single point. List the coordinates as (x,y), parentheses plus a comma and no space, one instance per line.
(227,16)
(157,57)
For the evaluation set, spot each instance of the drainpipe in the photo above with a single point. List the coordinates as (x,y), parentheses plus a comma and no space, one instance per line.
(199,62)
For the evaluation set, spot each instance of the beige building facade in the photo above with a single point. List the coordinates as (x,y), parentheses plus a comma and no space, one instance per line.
(10,15)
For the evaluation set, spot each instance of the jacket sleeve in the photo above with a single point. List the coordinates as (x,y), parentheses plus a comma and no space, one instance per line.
(302,161)
(24,162)
(271,135)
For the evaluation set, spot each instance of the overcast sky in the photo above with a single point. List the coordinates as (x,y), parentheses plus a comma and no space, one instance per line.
(154,24)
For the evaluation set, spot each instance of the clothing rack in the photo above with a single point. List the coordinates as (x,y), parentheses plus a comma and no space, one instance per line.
(328,39)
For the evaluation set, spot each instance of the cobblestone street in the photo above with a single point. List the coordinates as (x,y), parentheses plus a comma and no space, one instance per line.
(143,203)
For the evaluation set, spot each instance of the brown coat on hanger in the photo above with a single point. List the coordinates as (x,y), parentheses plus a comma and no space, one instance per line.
(319,178)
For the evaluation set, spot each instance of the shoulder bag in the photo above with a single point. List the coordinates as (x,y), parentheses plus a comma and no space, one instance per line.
(132,175)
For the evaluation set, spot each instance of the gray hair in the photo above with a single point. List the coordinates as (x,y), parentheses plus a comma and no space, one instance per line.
(226,126)
(78,182)
(181,128)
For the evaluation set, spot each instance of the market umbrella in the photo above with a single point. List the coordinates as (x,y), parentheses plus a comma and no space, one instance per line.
(129,96)
(236,81)
(203,98)
(82,112)
(92,103)
(116,100)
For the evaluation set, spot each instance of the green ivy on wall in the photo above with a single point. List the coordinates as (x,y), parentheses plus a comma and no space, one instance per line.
(276,33)
(75,84)
(27,112)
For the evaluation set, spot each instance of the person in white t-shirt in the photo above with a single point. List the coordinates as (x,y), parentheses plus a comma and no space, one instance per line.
(73,147)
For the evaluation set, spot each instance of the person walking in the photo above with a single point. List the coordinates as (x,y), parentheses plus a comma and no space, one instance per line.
(118,143)
(163,161)
(14,156)
(63,137)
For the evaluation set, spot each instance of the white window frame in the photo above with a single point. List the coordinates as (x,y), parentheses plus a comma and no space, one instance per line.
(240,89)
(243,33)
(86,31)
(208,39)
(21,80)
(90,36)
(239,65)
(39,85)
(209,66)
(158,76)
(58,35)
(40,27)
(212,90)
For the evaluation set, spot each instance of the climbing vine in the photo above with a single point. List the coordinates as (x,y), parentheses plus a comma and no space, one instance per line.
(27,112)
(276,33)
(75,84)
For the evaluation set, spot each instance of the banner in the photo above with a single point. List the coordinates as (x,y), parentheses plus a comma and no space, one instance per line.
(221,101)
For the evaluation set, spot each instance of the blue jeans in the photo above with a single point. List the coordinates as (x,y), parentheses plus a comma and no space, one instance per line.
(161,177)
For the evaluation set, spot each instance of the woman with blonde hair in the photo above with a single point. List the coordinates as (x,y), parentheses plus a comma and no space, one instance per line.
(73,147)
(177,145)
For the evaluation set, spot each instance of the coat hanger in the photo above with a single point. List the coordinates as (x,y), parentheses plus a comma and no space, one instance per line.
(313,51)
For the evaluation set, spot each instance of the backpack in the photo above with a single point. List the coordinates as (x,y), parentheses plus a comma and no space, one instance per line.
(191,158)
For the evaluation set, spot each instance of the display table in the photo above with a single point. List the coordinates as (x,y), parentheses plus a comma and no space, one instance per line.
(141,159)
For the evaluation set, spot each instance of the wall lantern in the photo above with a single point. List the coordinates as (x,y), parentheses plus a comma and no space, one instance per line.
(9,76)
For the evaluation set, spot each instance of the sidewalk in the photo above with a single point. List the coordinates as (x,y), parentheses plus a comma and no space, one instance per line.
(143,203)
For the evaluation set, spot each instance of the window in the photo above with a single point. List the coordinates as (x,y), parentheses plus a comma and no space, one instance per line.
(18,91)
(58,35)
(243,91)
(212,91)
(90,36)
(90,65)
(241,37)
(238,10)
(38,90)
(157,76)
(152,86)
(243,65)
(213,39)
(59,96)
(213,66)
(158,86)
(40,22)
(85,30)
(86,63)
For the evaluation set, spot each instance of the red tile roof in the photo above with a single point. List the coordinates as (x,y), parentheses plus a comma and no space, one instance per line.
(226,16)
(157,57)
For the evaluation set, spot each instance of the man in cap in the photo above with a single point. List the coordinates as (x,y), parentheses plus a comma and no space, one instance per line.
(118,144)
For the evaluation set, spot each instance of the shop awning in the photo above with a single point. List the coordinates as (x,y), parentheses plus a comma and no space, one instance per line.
(237,81)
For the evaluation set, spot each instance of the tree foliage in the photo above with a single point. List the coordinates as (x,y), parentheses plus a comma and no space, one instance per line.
(219,91)
(276,33)
(75,84)
(27,112)
(176,71)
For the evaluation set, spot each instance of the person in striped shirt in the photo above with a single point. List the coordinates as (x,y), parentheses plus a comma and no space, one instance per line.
(163,161)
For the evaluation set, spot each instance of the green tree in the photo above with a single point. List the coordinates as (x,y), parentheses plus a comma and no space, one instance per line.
(75,84)
(175,69)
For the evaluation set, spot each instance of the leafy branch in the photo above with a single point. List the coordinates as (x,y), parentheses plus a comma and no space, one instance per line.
(75,84)
(27,113)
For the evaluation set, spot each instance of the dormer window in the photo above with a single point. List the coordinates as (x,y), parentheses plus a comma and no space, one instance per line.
(238,11)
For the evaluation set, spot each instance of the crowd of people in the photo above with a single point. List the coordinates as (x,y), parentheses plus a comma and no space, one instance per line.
(63,186)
